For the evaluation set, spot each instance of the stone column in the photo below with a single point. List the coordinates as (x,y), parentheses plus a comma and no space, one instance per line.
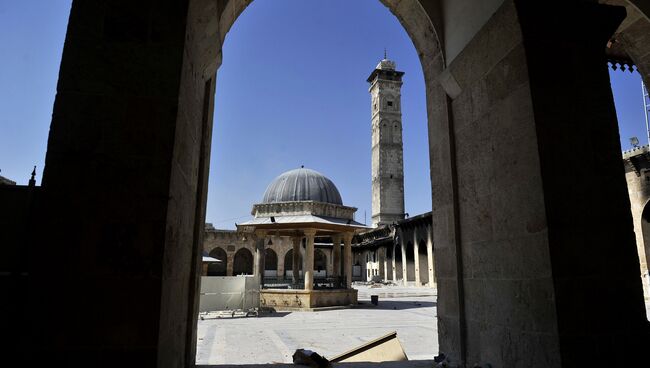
(308,267)
(416,259)
(230,261)
(295,270)
(336,255)
(381,261)
(430,264)
(347,258)
(258,265)
(280,254)
(385,273)
(404,262)
(394,263)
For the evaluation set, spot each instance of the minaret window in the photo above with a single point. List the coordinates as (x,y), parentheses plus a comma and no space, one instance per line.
(390,103)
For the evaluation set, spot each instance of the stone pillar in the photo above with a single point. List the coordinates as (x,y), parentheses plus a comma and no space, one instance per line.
(230,261)
(394,263)
(280,254)
(336,255)
(559,248)
(384,275)
(416,258)
(308,267)
(347,257)
(404,262)
(381,261)
(430,264)
(258,265)
(295,270)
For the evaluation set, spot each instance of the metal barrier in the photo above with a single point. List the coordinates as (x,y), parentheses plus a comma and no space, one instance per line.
(229,293)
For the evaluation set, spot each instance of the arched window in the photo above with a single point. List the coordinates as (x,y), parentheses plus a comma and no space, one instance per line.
(218,268)
(270,260)
(288,261)
(243,262)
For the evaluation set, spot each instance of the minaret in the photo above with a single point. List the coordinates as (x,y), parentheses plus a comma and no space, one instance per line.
(387,164)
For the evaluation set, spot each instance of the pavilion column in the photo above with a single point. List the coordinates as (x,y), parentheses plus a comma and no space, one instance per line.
(430,263)
(336,255)
(347,257)
(295,270)
(404,263)
(280,271)
(258,268)
(416,259)
(308,267)
(384,274)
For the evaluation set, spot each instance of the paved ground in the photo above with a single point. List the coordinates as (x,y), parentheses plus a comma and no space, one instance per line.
(274,337)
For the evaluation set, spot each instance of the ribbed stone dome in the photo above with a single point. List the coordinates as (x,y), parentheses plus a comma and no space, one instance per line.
(302,185)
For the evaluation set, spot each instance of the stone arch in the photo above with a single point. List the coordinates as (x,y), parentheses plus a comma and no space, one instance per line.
(192,46)
(397,132)
(384,131)
(243,262)
(219,268)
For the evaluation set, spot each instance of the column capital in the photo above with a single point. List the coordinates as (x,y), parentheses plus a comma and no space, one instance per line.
(310,232)
(259,233)
(336,237)
(347,237)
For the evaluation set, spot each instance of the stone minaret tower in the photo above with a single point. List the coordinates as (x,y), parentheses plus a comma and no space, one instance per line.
(387,165)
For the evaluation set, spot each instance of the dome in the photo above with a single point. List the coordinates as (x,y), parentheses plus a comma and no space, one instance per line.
(302,185)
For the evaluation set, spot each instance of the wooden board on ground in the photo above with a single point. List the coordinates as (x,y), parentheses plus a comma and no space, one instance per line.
(384,349)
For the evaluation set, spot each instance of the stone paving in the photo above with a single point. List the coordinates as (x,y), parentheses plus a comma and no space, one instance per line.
(272,338)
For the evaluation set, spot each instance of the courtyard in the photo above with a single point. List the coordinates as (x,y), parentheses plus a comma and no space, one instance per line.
(273,337)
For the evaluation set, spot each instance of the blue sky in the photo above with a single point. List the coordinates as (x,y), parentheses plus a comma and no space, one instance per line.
(291,91)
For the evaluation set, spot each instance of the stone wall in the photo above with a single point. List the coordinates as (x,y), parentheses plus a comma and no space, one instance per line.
(637,176)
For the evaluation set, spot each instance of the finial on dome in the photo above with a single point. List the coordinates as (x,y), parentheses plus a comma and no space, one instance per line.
(302,166)
(385,56)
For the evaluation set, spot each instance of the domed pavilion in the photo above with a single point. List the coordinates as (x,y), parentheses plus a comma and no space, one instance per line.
(303,204)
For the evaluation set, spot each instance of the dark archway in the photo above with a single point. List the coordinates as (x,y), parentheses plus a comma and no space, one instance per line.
(320,263)
(398,262)
(423,262)
(270,263)
(218,268)
(288,263)
(243,262)
(410,263)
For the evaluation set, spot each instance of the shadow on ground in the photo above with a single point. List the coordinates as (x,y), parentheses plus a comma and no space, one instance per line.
(396,304)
